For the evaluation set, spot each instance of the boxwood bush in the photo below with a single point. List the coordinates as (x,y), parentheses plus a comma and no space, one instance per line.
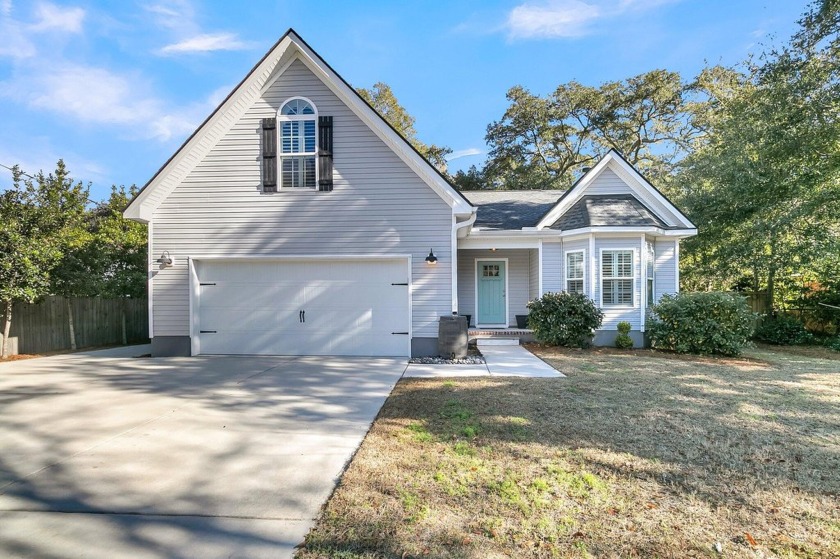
(623,340)
(565,319)
(783,329)
(716,323)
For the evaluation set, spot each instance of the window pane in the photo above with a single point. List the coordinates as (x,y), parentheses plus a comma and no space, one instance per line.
(625,292)
(574,265)
(574,286)
(297,107)
(309,136)
(650,293)
(607,267)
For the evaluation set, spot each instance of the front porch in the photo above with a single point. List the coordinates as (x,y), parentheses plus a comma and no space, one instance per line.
(494,287)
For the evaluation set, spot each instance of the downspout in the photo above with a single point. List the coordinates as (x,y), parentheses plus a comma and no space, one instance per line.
(456,233)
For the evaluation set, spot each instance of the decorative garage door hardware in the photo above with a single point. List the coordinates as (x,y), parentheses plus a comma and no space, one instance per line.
(400,283)
(206,331)
(207,283)
(302,316)
(400,333)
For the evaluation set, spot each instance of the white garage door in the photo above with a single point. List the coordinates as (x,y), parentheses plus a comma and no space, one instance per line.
(303,307)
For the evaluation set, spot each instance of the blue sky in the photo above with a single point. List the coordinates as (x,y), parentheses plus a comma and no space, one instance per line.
(115,86)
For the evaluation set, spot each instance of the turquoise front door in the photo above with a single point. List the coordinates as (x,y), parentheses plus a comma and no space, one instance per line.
(492,299)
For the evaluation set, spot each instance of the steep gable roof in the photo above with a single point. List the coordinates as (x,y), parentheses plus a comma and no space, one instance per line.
(648,197)
(287,49)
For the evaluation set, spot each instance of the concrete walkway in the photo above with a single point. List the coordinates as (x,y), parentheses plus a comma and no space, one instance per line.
(107,456)
(502,360)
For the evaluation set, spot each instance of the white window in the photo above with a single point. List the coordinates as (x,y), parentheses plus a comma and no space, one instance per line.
(298,123)
(650,259)
(574,271)
(617,278)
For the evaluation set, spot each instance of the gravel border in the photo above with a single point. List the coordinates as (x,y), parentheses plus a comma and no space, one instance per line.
(468,360)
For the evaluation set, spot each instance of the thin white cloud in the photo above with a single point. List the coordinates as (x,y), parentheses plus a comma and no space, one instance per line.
(551,19)
(207,42)
(459,153)
(6,8)
(559,18)
(97,96)
(178,15)
(49,17)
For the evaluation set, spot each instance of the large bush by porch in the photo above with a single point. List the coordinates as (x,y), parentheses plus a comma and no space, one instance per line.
(564,319)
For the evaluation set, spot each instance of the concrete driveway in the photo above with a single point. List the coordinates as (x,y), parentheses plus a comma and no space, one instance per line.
(106,456)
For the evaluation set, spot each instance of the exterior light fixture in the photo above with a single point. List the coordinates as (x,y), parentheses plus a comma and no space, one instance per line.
(431,259)
(165,259)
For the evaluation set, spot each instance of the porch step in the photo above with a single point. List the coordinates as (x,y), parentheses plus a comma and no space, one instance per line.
(484,342)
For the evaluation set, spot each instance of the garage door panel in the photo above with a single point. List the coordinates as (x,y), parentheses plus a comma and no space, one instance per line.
(350,307)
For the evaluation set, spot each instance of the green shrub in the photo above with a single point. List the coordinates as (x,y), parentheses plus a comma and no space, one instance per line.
(832,343)
(623,340)
(718,323)
(565,319)
(783,329)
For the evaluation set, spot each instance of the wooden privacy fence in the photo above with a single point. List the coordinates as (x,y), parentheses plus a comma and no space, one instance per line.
(45,326)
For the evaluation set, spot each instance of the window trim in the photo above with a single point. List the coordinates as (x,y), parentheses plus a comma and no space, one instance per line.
(280,156)
(633,278)
(566,277)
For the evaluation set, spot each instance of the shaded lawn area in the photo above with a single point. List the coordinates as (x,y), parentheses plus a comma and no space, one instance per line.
(635,454)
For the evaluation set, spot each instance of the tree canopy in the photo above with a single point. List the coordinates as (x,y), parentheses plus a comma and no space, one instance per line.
(383,100)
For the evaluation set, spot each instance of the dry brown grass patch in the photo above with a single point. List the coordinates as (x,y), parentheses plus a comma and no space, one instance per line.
(632,455)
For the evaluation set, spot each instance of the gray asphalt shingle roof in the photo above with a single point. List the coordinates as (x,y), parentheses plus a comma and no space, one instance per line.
(616,210)
(511,209)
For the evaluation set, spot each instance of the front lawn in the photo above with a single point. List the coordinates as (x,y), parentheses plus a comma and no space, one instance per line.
(636,454)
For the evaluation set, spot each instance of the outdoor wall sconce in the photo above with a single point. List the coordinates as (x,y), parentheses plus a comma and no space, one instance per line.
(431,259)
(165,259)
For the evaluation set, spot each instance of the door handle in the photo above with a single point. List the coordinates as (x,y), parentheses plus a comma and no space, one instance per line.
(303,316)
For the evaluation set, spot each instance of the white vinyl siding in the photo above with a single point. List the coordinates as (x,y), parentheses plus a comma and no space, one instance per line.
(518,271)
(575,272)
(552,267)
(378,206)
(534,274)
(666,267)
(607,182)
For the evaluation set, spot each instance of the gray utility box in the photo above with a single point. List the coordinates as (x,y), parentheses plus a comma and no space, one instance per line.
(452,337)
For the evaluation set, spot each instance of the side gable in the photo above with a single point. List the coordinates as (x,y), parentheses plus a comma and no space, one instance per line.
(280,57)
(613,185)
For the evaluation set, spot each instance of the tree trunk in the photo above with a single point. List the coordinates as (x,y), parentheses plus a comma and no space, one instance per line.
(7,326)
(72,326)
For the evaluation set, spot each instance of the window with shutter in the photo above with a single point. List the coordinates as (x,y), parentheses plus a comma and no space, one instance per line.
(297,121)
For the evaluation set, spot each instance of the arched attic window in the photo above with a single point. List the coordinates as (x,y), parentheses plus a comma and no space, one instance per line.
(298,123)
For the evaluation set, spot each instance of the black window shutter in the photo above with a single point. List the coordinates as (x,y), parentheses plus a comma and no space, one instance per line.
(269,154)
(325,153)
